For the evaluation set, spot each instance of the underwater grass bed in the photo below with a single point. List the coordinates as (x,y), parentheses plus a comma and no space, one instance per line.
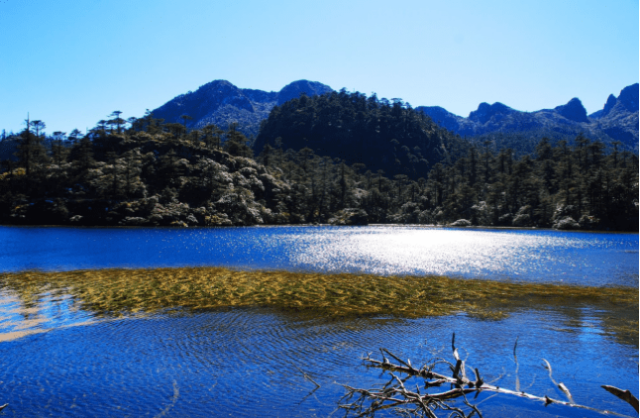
(120,291)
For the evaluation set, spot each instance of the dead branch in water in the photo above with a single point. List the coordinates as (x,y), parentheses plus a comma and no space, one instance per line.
(409,402)
(625,395)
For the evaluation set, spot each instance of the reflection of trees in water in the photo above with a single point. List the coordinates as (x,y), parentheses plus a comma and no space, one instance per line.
(26,312)
(611,319)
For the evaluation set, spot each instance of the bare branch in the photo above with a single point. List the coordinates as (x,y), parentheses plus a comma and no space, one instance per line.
(515,358)
(394,394)
(625,395)
(560,385)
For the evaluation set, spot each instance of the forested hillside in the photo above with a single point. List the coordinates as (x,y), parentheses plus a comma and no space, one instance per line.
(559,187)
(143,172)
(358,129)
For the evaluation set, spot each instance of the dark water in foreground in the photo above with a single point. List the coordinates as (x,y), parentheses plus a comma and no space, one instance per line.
(592,259)
(253,363)
(57,360)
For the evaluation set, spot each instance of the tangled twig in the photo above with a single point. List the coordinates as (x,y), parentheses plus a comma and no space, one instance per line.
(395,394)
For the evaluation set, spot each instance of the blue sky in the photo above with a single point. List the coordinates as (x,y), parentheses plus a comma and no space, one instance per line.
(71,63)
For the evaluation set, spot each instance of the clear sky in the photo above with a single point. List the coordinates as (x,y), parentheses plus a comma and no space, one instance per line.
(72,62)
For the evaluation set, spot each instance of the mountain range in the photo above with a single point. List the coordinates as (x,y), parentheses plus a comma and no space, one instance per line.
(617,121)
(220,102)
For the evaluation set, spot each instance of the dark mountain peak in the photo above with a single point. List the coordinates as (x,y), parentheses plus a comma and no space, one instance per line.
(486,111)
(626,103)
(573,110)
(441,116)
(295,89)
(435,111)
(219,82)
(218,85)
(611,101)
(629,97)
(220,102)
(482,109)
(617,121)
(221,93)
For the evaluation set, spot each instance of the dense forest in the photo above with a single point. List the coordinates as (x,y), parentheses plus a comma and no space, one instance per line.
(383,135)
(339,158)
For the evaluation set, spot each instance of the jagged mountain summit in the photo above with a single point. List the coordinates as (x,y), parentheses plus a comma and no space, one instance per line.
(220,103)
(619,117)
(617,121)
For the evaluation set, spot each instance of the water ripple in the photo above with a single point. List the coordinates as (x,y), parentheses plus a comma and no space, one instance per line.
(248,362)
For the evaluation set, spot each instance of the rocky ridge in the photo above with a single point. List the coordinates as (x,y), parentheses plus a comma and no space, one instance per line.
(617,121)
(220,103)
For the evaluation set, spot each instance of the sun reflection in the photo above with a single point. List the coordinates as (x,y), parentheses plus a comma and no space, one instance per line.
(593,259)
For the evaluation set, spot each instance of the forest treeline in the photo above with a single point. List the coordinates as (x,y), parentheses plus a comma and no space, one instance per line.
(382,134)
(385,163)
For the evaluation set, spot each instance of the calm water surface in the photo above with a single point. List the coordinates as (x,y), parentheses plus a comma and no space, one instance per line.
(59,360)
(594,259)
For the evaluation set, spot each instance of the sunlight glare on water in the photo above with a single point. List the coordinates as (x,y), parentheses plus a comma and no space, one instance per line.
(592,259)
(542,256)
(249,361)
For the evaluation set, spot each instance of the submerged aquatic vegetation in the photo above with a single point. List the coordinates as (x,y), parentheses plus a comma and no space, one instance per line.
(122,291)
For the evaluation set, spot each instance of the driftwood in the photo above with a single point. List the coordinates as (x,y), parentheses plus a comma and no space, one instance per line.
(625,395)
(397,396)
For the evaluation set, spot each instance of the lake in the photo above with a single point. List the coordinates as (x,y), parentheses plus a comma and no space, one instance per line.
(59,360)
(590,259)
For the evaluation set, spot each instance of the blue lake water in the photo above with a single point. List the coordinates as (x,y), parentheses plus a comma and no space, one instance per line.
(58,360)
(593,259)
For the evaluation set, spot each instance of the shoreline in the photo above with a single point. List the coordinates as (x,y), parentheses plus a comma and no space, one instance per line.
(310,225)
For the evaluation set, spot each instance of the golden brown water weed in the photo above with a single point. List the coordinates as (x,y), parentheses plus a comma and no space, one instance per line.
(117,291)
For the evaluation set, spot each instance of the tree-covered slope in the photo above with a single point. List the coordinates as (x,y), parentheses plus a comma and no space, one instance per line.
(358,129)
(154,174)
